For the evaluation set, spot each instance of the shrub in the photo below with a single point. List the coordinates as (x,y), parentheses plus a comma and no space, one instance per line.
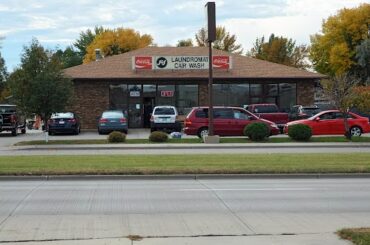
(300,132)
(257,131)
(158,136)
(116,137)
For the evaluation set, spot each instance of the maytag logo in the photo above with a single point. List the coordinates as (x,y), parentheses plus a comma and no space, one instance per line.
(221,62)
(143,62)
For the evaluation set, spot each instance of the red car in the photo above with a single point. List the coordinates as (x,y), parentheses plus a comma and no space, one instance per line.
(228,121)
(331,122)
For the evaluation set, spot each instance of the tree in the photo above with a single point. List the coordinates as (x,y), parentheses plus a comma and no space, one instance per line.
(69,57)
(4,91)
(224,40)
(185,43)
(362,69)
(86,38)
(340,89)
(117,41)
(333,52)
(280,50)
(38,85)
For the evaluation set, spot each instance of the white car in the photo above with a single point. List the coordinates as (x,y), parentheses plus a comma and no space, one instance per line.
(164,118)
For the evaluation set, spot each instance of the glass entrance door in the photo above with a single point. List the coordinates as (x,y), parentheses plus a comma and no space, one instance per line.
(135,106)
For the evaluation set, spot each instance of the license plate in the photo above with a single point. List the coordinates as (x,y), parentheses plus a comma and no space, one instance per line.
(61,122)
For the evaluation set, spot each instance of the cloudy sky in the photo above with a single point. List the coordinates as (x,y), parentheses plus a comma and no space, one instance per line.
(57,23)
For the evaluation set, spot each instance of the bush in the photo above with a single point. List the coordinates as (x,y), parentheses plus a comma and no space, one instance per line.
(158,136)
(257,131)
(300,132)
(116,137)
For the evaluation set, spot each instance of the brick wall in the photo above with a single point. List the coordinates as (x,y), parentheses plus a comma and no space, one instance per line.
(305,93)
(90,100)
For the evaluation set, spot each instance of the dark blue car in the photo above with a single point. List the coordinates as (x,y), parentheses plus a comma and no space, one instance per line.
(64,122)
(112,121)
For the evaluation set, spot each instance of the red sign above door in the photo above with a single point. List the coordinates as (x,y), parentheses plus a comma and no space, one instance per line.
(167,93)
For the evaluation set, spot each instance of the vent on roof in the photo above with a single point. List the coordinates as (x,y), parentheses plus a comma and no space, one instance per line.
(98,55)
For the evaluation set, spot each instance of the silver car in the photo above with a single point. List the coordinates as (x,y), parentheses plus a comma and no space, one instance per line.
(112,121)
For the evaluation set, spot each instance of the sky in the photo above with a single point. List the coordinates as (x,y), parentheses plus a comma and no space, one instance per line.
(58,23)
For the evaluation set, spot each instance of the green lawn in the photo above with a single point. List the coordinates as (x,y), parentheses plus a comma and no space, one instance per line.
(187,164)
(193,141)
(359,236)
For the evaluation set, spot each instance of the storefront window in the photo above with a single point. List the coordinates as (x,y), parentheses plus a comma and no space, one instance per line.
(187,97)
(256,90)
(118,97)
(166,95)
(230,94)
(287,96)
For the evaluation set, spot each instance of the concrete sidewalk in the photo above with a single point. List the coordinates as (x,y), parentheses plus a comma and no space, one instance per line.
(302,239)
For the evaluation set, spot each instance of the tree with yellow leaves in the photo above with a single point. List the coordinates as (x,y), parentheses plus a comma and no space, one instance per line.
(117,41)
(333,52)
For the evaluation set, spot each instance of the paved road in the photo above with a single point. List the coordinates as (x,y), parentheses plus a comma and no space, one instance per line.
(236,211)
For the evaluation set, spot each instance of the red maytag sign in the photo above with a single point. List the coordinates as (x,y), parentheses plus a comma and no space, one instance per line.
(221,62)
(143,62)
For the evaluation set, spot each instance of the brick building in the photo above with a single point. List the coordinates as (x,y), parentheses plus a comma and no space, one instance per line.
(138,80)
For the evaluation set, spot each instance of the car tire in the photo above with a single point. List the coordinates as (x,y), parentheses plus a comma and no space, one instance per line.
(50,132)
(100,132)
(77,131)
(355,131)
(23,130)
(14,132)
(202,132)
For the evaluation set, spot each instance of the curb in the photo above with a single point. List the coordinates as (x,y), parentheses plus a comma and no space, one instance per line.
(181,177)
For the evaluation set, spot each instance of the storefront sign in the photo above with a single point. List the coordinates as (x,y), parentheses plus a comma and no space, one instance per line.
(167,93)
(143,62)
(180,62)
(134,93)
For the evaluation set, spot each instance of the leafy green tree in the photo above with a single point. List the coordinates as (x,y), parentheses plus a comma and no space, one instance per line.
(86,38)
(4,91)
(38,85)
(333,52)
(280,50)
(185,43)
(224,40)
(117,41)
(362,68)
(69,57)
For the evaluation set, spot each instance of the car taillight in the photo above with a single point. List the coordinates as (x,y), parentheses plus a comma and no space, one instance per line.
(122,120)
(187,122)
(72,120)
(103,120)
(152,118)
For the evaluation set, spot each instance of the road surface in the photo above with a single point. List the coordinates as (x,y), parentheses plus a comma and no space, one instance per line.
(203,211)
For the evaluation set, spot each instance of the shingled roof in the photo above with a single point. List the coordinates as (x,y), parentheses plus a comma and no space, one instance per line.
(120,67)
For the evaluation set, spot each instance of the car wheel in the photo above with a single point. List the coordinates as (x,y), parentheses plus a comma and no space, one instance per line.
(202,132)
(14,132)
(23,131)
(100,132)
(77,131)
(356,131)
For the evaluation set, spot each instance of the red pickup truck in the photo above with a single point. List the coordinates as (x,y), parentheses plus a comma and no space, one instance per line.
(270,112)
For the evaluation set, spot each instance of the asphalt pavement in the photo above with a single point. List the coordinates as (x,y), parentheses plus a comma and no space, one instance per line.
(183,211)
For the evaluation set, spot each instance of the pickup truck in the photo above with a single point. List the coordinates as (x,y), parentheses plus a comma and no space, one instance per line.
(10,120)
(270,112)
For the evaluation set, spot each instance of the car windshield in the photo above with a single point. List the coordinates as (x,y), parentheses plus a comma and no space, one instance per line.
(7,109)
(265,109)
(62,115)
(164,111)
(311,111)
(112,114)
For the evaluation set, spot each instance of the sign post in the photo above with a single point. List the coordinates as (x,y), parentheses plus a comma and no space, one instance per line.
(211,36)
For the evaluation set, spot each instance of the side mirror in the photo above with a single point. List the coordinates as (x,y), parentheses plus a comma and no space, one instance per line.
(317,119)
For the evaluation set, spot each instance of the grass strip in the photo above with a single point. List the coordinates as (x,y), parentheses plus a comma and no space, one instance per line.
(359,236)
(187,164)
(192,141)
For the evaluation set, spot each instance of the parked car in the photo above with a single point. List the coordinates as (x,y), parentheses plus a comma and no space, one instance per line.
(298,112)
(112,121)
(165,118)
(12,120)
(331,122)
(228,121)
(271,113)
(64,122)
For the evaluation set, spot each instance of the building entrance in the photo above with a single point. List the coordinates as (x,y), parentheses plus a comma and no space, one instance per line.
(148,105)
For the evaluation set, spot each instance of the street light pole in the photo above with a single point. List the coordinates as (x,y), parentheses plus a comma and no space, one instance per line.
(210,91)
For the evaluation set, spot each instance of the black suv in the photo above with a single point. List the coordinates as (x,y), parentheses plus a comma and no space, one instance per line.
(11,120)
